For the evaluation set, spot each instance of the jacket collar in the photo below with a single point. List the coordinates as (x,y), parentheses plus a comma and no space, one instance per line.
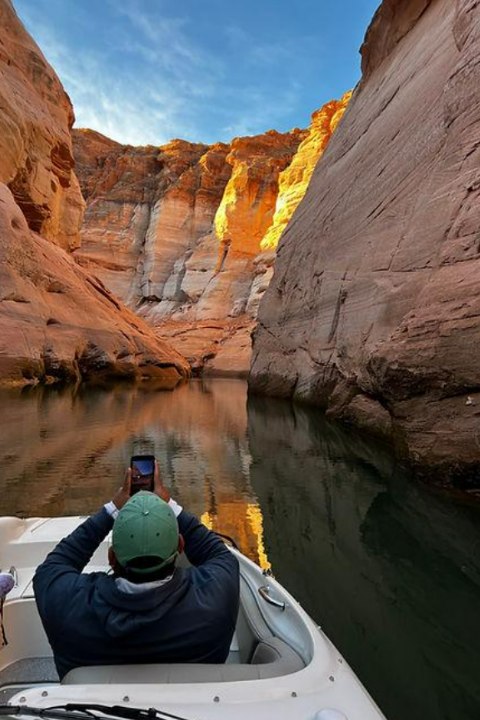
(112,595)
(136,588)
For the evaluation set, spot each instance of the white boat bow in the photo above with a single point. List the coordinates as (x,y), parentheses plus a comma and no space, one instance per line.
(281,665)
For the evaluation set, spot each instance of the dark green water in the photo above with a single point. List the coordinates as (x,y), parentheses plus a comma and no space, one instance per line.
(389,569)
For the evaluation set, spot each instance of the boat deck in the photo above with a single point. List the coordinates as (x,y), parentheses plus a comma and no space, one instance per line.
(26,673)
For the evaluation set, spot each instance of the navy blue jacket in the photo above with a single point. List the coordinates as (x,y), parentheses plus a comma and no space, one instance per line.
(89,621)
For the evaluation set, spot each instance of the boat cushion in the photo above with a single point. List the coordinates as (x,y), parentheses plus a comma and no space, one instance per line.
(272,658)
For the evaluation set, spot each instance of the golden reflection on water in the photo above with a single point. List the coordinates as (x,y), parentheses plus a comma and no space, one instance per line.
(244,523)
(64,451)
(254,515)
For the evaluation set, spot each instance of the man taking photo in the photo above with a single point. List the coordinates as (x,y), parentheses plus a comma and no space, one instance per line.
(149,610)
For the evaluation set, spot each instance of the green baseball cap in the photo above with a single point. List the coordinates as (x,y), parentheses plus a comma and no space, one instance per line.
(146,527)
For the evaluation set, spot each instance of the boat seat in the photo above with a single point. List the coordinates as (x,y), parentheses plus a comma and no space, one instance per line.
(271,658)
(29,670)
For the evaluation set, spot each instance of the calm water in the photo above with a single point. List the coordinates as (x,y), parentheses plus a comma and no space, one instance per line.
(390,570)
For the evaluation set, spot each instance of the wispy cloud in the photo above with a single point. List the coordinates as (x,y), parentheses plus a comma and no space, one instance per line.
(152,79)
(163,41)
(261,110)
(148,105)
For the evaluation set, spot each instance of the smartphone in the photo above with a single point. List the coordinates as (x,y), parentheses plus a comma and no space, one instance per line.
(143,467)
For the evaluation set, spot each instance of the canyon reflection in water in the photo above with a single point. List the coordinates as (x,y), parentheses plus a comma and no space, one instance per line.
(389,569)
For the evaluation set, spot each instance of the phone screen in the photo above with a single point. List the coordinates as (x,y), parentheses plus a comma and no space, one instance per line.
(142,472)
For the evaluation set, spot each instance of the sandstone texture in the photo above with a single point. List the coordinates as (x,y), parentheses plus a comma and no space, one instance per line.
(178,231)
(175,231)
(57,323)
(294,180)
(249,200)
(36,150)
(373,312)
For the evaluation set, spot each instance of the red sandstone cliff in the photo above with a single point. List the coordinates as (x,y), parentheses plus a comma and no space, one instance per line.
(56,321)
(36,150)
(177,231)
(374,309)
(59,323)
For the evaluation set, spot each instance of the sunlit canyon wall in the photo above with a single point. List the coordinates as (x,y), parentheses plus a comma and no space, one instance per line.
(373,312)
(186,233)
(57,322)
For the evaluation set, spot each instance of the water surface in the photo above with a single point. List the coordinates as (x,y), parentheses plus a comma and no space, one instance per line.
(388,568)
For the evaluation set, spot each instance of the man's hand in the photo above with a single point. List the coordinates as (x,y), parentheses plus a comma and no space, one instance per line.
(123,492)
(158,487)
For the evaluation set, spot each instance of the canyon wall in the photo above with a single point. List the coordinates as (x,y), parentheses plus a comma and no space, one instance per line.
(179,231)
(294,180)
(373,311)
(175,231)
(36,149)
(56,321)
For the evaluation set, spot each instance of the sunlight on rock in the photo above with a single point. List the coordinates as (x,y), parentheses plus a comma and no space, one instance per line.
(294,180)
(248,203)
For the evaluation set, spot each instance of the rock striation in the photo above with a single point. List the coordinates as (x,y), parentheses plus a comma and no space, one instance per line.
(175,231)
(374,309)
(178,231)
(249,200)
(57,322)
(36,149)
(294,180)
(124,187)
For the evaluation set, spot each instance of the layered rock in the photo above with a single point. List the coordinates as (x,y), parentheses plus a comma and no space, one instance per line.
(249,200)
(294,180)
(373,311)
(175,231)
(132,195)
(56,321)
(35,120)
(59,323)
(186,233)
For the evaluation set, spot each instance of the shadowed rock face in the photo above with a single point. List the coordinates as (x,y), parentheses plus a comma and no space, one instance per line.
(373,310)
(36,149)
(59,323)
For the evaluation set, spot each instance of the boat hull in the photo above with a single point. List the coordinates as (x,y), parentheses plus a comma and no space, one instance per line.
(324,687)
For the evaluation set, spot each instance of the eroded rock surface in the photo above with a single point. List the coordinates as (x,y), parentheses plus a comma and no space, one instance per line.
(59,323)
(56,322)
(294,180)
(374,309)
(177,231)
(36,149)
(249,200)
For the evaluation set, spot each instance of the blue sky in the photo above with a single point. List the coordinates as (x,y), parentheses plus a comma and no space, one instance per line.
(146,71)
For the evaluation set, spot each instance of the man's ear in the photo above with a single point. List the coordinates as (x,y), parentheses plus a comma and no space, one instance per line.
(112,558)
(181,544)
